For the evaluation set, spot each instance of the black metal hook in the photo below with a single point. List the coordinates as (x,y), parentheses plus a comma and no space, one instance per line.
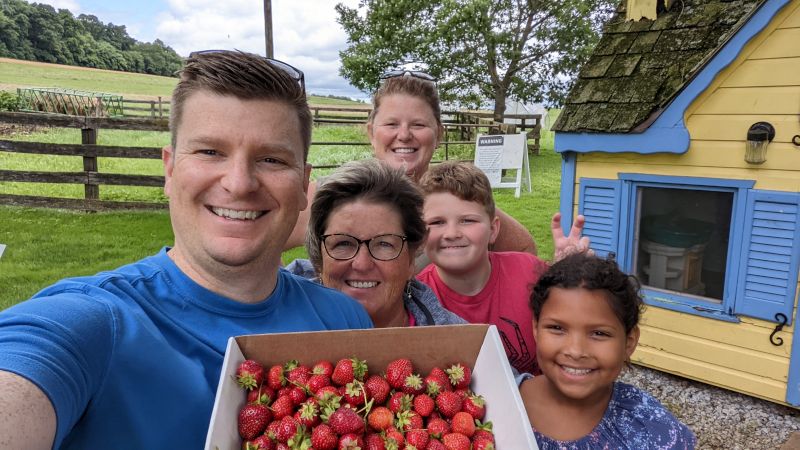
(796,139)
(782,320)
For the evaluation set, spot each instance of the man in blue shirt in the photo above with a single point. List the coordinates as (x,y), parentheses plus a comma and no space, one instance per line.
(131,358)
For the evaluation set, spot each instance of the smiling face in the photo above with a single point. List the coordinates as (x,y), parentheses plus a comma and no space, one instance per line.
(236,182)
(377,285)
(404,133)
(459,234)
(581,345)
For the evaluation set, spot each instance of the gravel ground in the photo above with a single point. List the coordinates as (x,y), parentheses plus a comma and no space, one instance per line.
(720,419)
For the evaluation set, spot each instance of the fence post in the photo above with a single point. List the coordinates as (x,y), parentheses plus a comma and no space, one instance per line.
(89,137)
(152,109)
(160,110)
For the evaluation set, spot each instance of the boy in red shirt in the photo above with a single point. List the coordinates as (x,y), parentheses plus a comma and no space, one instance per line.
(477,284)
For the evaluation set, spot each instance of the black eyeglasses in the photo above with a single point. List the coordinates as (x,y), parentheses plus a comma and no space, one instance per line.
(408,73)
(384,247)
(295,73)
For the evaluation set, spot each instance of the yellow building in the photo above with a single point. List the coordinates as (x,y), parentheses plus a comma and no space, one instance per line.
(663,139)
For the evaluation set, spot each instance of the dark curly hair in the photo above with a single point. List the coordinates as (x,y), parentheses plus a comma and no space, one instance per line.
(592,272)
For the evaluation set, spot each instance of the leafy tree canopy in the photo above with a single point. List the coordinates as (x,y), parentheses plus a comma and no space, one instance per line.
(528,50)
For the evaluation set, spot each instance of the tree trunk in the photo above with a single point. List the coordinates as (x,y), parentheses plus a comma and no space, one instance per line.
(499,108)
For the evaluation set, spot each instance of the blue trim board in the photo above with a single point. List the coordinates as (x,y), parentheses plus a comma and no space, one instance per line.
(566,206)
(687,305)
(793,383)
(688,182)
(668,134)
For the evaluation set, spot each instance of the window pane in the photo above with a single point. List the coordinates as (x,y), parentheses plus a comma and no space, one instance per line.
(682,240)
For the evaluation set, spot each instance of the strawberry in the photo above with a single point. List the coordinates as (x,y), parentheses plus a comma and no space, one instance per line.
(448,403)
(439,374)
(460,375)
(250,374)
(308,414)
(438,427)
(483,433)
(253,420)
(323,438)
(397,371)
(353,394)
(345,420)
(275,378)
(423,405)
(297,374)
(288,427)
(399,402)
(475,405)
(408,420)
(317,382)
(377,388)
(463,423)
(272,428)
(417,438)
(297,394)
(394,438)
(380,418)
(374,441)
(435,444)
(413,385)
(323,368)
(282,407)
(434,385)
(262,442)
(326,391)
(456,441)
(262,395)
(351,441)
(482,444)
(347,370)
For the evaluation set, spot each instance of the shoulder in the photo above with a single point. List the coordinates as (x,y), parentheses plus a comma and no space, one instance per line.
(328,303)
(643,419)
(427,308)
(302,268)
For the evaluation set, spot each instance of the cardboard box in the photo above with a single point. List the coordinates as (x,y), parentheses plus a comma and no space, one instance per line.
(476,345)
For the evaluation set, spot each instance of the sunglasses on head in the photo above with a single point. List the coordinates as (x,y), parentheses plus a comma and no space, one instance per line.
(408,73)
(295,73)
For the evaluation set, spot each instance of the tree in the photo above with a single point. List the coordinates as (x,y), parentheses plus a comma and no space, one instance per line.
(528,50)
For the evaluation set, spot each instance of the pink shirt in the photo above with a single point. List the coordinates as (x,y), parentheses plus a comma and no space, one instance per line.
(503,302)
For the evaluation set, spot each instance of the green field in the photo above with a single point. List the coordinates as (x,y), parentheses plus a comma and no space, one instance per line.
(45,245)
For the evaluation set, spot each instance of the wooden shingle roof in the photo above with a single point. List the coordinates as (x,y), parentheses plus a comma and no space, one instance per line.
(638,67)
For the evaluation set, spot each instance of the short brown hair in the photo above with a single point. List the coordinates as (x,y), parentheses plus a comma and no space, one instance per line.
(372,181)
(412,86)
(242,75)
(461,179)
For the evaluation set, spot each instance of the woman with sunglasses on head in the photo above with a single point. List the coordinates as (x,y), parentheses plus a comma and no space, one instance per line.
(364,231)
(404,128)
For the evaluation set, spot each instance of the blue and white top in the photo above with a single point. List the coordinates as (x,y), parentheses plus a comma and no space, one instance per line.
(633,420)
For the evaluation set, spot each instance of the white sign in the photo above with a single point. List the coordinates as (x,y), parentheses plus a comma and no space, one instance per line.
(2,249)
(496,153)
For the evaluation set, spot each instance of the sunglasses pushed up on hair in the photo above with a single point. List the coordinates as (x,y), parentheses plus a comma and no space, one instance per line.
(295,73)
(408,73)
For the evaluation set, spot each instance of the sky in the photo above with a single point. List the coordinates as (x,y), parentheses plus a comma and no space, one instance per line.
(305,32)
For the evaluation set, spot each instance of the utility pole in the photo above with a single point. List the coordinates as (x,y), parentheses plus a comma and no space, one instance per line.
(268,27)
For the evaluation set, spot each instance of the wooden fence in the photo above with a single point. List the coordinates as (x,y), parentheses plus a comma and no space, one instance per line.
(89,151)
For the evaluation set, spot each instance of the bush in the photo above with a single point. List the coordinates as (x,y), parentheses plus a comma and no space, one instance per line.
(9,101)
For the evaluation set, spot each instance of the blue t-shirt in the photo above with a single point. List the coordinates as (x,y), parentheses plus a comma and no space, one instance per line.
(131,358)
(633,420)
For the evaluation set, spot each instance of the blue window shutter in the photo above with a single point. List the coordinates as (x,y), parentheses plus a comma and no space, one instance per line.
(767,279)
(599,203)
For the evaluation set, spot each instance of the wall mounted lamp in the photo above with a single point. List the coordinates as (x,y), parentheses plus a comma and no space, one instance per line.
(759,136)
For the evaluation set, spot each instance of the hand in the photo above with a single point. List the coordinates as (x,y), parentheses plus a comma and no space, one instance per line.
(571,243)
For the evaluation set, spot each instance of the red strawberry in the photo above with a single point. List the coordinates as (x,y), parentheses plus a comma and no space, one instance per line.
(475,405)
(323,438)
(253,420)
(351,441)
(463,423)
(438,427)
(272,428)
(399,402)
(297,374)
(393,435)
(456,441)
(482,444)
(347,370)
(298,395)
(423,405)
(345,420)
(326,391)
(483,433)
(282,407)
(434,385)
(448,403)
(377,388)
(439,374)
(413,385)
(288,427)
(308,414)
(374,441)
(323,368)
(353,394)
(435,444)
(262,442)
(417,438)
(275,378)
(460,375)
(250,374)
(409,420)
(380,418)
(262,395)
(397,371)
(317,382)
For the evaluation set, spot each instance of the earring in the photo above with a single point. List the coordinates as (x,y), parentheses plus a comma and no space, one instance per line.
(408,290)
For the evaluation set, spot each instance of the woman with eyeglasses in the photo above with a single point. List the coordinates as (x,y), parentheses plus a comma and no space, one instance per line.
(365,228)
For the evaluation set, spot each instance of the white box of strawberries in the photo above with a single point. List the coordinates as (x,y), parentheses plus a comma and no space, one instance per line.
(389,401)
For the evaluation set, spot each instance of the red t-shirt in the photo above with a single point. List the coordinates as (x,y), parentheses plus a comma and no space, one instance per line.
(503,302)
